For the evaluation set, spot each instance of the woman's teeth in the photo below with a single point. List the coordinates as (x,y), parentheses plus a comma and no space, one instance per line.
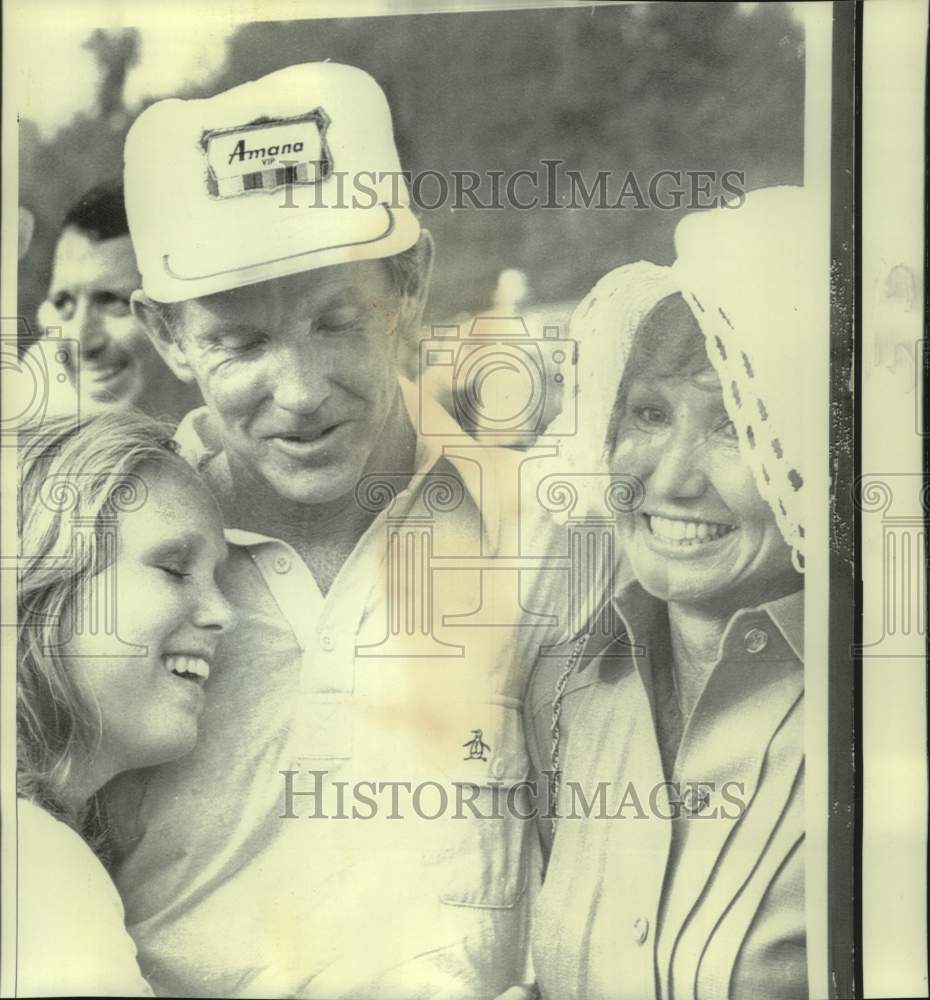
(191,668)
(687,532)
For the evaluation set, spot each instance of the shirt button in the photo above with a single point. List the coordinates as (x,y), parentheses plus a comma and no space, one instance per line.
(497,768)
(755,640)
(640,930)
(696,799)
(327,642)
(282,564)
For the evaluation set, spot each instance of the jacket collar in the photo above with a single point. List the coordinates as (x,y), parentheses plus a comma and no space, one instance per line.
(627,620)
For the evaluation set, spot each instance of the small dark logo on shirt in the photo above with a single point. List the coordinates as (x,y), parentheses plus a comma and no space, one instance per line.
(476,746)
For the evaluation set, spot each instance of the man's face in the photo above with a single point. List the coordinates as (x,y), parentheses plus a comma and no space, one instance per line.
(300,372)
(89,300)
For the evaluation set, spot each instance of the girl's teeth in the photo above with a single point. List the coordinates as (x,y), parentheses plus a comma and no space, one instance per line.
(190,665)
(687,532)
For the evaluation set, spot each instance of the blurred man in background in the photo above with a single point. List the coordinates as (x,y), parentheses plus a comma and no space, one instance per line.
(109,361)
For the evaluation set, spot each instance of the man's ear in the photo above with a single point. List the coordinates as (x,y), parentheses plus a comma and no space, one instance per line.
(151,316)
(414,301)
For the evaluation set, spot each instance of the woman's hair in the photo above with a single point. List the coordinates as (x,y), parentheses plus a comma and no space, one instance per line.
(68,470)
(668,342)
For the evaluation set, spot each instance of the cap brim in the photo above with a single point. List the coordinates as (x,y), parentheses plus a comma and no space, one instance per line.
(303,240)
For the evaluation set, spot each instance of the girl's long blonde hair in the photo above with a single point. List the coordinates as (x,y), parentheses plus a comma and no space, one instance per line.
(71,473)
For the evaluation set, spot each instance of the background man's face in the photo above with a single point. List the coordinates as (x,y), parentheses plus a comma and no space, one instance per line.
(301,374)
(88,299)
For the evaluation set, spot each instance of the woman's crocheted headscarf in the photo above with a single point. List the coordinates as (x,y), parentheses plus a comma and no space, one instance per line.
(752,276)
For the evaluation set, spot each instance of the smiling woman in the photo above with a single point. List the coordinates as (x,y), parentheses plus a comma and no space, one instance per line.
(703,536)
(690,681)
(107,679)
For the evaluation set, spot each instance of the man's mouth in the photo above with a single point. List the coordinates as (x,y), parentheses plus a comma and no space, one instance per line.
(101,374)
(687,532)
(304,440)
(188,667)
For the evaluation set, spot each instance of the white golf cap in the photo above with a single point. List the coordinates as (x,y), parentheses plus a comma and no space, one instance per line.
(291,172)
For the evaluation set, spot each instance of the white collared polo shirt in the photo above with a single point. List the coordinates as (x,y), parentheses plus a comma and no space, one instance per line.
(351,822)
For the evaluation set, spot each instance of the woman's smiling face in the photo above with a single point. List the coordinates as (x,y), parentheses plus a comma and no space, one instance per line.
(703,535)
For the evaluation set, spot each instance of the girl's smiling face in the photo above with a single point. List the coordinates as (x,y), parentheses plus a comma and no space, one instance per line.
(703,535)
(144,677)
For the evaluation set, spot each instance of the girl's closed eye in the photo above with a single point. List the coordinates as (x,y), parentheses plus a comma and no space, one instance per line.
(172,559)
(175,572)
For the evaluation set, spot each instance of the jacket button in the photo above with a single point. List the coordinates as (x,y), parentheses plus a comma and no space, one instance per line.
(640,930)
(755,640)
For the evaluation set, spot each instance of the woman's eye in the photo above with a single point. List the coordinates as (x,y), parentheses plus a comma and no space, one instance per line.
(728,430)
(650,417)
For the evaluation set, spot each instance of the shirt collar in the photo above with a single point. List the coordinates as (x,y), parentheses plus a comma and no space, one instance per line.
(788,615)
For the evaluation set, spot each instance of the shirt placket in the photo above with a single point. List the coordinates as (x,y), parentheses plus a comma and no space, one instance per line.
(322,732)
(327,630)
(751,647)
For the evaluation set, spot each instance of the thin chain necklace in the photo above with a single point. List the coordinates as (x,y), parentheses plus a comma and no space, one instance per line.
(555,728)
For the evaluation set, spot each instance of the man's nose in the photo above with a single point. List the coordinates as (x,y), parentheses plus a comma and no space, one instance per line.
(91,335)
(679,468)
(302,377)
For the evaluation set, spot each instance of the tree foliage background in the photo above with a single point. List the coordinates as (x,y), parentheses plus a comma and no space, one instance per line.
(670,86)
